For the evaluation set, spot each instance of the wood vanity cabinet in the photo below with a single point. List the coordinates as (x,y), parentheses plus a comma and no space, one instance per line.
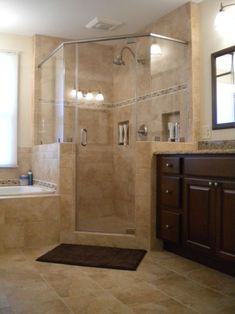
(196,207)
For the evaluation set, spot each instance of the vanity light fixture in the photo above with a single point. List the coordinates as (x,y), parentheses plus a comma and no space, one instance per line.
(89,95)
(155,50)
(73,92)
(99,96)
(79,94)
(225,18)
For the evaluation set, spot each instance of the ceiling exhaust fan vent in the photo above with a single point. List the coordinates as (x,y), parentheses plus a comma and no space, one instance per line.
(103,24)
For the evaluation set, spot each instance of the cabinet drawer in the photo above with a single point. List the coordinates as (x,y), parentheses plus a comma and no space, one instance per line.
(210,166)
(170,191)
(170,226)
(170,165)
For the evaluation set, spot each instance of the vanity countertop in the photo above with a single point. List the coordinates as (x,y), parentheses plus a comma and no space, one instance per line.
(201,151)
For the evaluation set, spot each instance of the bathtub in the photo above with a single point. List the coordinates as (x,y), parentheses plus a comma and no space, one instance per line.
(24,190)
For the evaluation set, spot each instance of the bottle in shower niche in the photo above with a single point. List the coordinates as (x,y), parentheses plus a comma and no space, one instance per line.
(30,177)
(177,132)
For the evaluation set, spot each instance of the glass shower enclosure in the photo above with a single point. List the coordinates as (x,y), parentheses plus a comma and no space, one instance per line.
(96,95)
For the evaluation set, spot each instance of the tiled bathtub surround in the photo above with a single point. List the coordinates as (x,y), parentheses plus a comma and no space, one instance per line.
(29,221)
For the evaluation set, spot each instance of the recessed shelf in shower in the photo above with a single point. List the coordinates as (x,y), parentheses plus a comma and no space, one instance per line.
(123,133)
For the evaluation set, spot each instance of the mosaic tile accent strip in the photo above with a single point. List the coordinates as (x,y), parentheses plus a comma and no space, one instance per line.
(95,105)
(46,184)
(10,182)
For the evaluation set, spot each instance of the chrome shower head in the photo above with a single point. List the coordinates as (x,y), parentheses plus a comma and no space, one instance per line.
(118,60)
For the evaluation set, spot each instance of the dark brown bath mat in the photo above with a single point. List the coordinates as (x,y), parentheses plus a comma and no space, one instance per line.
(94,256)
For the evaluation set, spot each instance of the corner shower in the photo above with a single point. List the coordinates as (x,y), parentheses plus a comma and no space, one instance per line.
(134,85)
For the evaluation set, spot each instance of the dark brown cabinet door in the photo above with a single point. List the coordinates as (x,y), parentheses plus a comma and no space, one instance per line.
(225,220)
(199,215)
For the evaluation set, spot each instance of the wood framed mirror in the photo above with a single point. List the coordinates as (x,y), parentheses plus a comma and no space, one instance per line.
(223,88)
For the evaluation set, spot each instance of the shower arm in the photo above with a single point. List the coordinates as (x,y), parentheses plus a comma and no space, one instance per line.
(128,48)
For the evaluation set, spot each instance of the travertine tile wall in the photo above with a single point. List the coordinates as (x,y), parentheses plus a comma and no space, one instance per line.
(45,162)
(45,88)
(29,221)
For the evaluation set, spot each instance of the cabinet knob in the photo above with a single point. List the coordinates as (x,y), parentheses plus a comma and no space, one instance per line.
(167,226)
(168,165)
(167,191)
(216,184)
(210,183)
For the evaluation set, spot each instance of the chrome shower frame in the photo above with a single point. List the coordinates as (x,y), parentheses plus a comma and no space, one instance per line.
(98,39)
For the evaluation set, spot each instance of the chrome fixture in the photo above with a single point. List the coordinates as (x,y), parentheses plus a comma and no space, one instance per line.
(83,137)
(143,130)
(118,60)
(98,39)
(223,6)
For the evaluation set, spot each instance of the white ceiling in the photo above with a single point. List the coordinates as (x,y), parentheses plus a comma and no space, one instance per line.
(67,18)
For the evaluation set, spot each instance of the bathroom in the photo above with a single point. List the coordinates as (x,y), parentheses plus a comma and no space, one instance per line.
(91,154)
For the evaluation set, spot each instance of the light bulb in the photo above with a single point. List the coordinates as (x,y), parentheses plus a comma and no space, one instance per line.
(99,97)
(155,50)
(73,93)
(79,95)
(89,96)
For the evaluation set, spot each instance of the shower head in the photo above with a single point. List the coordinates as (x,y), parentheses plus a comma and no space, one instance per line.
(118,60)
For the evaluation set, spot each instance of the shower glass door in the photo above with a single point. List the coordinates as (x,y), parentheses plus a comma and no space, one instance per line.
(105,135)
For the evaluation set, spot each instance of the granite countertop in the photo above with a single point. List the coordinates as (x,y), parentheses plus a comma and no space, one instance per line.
(201,151)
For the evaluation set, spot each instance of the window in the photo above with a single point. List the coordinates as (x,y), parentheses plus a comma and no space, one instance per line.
(8,108)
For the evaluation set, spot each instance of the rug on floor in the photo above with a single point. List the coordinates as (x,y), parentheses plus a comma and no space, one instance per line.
(94,256)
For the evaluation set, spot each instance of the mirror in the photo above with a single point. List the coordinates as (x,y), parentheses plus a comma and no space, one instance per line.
(223,88)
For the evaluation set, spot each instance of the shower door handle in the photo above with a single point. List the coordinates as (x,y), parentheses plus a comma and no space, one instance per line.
(83,135)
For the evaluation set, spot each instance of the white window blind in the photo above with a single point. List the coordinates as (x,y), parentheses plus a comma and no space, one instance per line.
(8,108)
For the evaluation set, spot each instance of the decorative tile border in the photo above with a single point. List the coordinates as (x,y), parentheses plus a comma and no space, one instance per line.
(13,182)
(9,182)
(95,105)
(46,184)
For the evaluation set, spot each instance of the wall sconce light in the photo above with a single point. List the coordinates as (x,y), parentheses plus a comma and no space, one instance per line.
(99,96)
(225,18)
(73,92)
(155,50)
(79,94)
(89,95)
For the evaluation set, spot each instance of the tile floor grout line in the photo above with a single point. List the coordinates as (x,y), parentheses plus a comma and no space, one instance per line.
(198,283)
(47,283)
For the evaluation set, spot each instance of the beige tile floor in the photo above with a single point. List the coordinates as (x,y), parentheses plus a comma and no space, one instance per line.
(163,283)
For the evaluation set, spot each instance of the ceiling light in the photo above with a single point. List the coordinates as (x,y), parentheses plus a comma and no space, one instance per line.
(225,19)
(155,50)
(99,97)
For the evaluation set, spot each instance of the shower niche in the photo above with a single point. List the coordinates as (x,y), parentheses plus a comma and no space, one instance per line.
(123,133)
